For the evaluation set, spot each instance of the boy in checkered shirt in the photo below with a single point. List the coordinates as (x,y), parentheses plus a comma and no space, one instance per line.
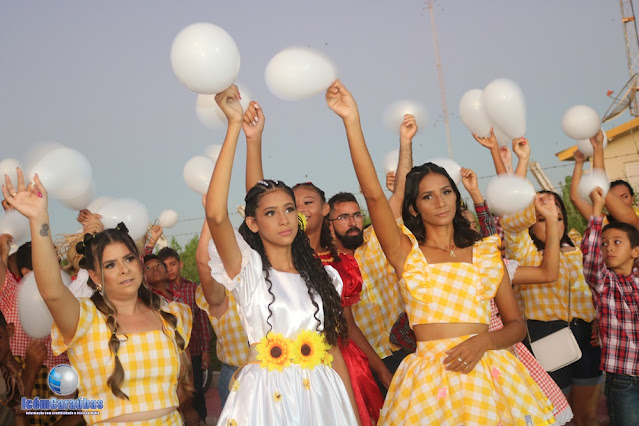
(609,256)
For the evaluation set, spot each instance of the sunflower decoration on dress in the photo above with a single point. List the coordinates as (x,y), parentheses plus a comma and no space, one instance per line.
(274,352)
(301,219)
(310,349)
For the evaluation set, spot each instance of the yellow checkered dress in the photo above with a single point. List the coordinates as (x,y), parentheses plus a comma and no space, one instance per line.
(548,302)
(232,344)
(150,361)
(499,389)
(380,301)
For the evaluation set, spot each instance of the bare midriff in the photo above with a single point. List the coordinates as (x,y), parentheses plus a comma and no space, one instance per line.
(426,332)
(142,415)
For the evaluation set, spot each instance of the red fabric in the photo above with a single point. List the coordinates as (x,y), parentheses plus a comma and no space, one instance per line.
(367,395)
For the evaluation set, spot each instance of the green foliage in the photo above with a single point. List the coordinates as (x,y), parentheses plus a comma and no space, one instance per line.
(574,219)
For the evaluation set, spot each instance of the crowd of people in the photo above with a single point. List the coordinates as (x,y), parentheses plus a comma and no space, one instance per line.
(427,316)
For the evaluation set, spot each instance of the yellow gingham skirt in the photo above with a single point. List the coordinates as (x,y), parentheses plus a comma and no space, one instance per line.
(171,419)
(498,391)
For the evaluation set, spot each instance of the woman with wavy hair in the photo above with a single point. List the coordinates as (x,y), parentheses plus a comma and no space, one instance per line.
(288,301)
(104,335)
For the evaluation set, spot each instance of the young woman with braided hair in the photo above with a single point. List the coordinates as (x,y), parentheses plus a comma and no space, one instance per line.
(105,335)
(288,301)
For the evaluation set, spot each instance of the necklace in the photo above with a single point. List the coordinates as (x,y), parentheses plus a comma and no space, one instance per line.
(450,251)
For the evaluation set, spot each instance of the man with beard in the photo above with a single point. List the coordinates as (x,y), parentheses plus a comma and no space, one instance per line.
(380,301)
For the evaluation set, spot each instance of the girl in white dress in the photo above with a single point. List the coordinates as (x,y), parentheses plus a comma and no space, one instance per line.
(288,302)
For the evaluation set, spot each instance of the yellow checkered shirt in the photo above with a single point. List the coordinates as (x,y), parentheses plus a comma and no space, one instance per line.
(380,300)
(232,344)
(150,360)
(548,302)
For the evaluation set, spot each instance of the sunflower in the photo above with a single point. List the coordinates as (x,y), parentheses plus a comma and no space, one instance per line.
(301,219)
(273,352)
(309,349)
(277,397)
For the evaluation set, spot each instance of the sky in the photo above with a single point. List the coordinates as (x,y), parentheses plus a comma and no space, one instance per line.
(97,77)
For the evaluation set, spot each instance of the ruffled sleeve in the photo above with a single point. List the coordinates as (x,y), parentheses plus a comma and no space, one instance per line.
(487,257)
(184,319)
(88,316)
(348,270)
(415,276)
(251,274)
(511,267)
(519,244)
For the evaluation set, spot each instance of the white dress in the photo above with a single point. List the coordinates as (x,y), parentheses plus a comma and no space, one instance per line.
(294,395)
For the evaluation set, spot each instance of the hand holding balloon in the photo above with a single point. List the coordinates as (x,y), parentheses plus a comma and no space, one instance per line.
(545,206)
(31,203)
(341,101)
(229,102)
(597,140)
(521,148)
(253,121)
(597,198)
(408,128)
(489,142)
(579,157)
(390,181)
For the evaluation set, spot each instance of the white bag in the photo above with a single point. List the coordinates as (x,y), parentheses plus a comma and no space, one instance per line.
(556,350)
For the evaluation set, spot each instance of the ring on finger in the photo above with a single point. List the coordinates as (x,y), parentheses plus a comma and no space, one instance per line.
(460,360)
(13,194)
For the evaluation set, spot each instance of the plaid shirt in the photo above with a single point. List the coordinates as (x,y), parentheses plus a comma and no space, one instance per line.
(617,300)
(380,301)
(548,302)
(20,341)
(42,391)
(200,335)
(486,220)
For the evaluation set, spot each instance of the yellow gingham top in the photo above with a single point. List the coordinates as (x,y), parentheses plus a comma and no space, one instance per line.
(548,302)
(150,361)
(380,300)
(232,344)
(452,292)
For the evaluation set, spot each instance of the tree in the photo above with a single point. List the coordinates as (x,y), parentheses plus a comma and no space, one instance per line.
(574,219)
(187,256)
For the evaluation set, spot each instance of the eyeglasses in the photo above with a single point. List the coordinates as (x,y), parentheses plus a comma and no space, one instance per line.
(155,267)
(346,217)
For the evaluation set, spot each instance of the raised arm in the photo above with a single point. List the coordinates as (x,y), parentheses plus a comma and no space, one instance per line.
(5,248)
(394,244)
(253,126)
(217,197)
(490,142)
(214,292)
(548,269)
(407,131)
(154,234)
(584,208)
(32,202)
(521,148)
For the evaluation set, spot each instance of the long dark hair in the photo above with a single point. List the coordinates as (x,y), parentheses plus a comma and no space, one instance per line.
(464,235)
(326,238)
(305,261)
(92,247)
(565,239)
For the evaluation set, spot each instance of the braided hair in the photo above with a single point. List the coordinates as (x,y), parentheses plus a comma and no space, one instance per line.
(326,238)
(465,235)
(92,248)
(305,261)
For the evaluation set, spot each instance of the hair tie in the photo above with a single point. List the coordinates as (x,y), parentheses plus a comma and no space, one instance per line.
(263,183)
(122,228)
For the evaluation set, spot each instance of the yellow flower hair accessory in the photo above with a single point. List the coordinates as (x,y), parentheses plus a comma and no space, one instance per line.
(309,349)
(274,352)
(301,219)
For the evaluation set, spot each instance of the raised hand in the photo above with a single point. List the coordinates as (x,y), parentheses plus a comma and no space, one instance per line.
(30,200)
(579,157)
(597,140)
(489,142)
(253,121)
(469,179)
(341,101)
(597,198)
(390,181)
(521,148)
(408,128)
(229,102)
(155,233)
(545,205)
(5,244)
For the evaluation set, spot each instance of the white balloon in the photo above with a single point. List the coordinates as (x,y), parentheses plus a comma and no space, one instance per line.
(502,138)
(473,113)
(580,122)
(298,73)
(8,167)
(168,218)
(197,173)
(507,194)
(16,225)
(585,147)
(205,58)
(64,172)
(35,318)
(390,161)
(504,104)
(97,204)
(80,201)
(596,178)
(213,151)
(452,168)
(394,114)
(209,112)
(131,212)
